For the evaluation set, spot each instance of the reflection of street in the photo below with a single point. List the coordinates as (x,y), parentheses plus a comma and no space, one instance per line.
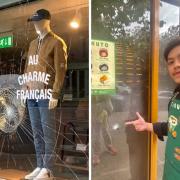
(132,154)
(122,166)
(163,98)
(114,167)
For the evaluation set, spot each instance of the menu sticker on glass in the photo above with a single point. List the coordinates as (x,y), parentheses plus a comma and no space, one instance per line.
(103,67)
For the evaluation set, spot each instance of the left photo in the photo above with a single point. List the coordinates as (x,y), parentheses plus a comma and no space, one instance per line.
(44,89)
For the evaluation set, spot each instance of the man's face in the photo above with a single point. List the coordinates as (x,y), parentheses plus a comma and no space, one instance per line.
(173,64)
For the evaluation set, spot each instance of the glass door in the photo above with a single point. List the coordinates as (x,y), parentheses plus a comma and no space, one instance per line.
(121,46)
(169,29)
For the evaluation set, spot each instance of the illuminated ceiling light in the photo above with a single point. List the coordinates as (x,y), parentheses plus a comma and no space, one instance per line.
(75,23)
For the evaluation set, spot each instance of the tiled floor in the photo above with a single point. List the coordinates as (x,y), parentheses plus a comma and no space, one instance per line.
(114,167)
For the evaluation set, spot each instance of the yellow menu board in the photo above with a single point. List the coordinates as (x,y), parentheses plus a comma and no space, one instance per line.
(103,67)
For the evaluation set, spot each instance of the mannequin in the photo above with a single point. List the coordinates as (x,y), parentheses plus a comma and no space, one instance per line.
(47,54)
(42,29)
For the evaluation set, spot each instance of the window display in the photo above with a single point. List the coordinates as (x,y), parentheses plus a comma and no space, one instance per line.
(43,90)
(50,53)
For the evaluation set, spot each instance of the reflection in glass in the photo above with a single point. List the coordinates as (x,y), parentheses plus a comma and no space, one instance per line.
(127,24)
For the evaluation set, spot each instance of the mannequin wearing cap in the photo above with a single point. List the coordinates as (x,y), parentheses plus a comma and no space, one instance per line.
(42,28)
(50,51)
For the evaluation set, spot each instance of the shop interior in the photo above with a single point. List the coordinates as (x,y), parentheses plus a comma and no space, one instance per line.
(17,150)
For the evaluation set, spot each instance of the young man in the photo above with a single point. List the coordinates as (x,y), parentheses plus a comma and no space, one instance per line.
(45,71)
(172,127)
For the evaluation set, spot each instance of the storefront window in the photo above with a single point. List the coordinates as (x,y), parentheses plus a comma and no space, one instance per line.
(22,45)
(169,29)
(10,3)
(120,67)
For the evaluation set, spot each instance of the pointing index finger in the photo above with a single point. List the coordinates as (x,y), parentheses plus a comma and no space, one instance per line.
(139,116)
(129,123)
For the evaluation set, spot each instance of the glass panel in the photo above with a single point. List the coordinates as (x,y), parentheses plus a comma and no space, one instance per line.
(10,3)
(64,139)
(119,152)
(169,29)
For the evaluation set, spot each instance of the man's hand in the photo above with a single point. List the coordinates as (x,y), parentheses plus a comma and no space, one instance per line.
(140,124)
(53,103)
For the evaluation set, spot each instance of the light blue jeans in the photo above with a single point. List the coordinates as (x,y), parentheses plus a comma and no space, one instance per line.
(44,132)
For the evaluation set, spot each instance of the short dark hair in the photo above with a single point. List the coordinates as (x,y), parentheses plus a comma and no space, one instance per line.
(171,45)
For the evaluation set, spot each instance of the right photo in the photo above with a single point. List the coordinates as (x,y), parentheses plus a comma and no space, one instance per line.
(135,85)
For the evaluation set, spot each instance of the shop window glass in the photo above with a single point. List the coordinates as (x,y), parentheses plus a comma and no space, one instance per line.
(119,152)
(17,151)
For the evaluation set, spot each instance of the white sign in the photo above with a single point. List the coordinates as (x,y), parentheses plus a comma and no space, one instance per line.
(103,67)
